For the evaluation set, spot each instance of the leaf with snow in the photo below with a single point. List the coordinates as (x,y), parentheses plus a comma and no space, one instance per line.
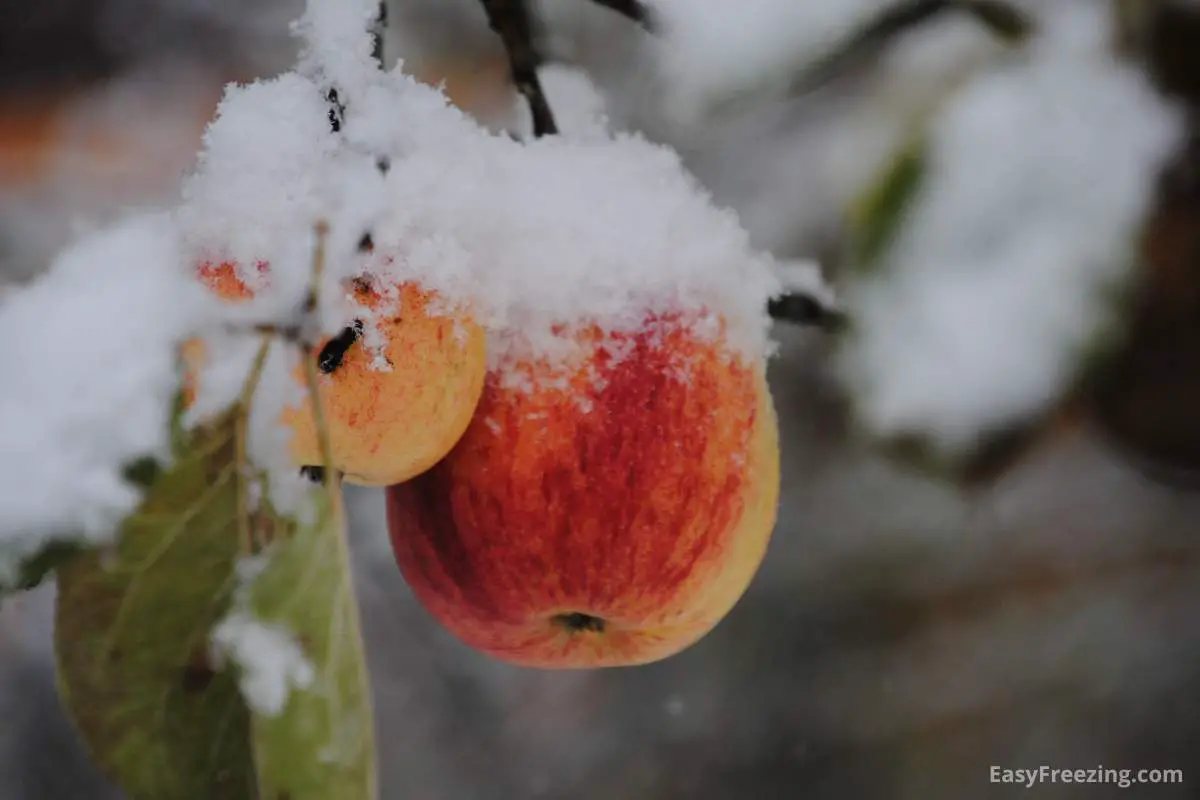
(85,404)
(989,300)
(295,637)
(29,570)
(132,627)
(32,570)
(881,211)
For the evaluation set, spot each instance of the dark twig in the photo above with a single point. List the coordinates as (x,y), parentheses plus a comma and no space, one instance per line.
(378,29)
(337,104)
(798,308)
(337,110)
(999,17)
(634,10)
(510,20)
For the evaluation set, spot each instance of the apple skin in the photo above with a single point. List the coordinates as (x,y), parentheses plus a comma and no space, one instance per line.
(385,425)
(611,519)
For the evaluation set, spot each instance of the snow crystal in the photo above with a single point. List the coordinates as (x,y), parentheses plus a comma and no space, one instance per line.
(1040,172)
(90,374)
(270,660)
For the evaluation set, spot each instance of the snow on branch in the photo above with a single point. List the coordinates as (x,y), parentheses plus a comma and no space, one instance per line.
(1005,275)
(523,232)
(809,302)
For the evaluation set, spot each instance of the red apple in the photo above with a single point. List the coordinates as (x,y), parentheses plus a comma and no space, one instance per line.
(605,512)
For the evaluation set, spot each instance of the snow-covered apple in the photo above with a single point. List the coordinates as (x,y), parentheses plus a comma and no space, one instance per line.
(607,509)
(395,398)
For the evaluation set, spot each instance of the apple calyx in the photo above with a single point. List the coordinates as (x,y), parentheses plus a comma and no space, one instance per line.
(578,622)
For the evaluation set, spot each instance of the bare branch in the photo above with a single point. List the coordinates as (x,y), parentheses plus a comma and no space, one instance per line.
(378,29)
(1002,19)
(510,20)
(799,308)
(635,10)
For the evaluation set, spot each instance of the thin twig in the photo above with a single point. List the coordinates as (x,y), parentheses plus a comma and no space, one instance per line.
(635,10)
(798,308)
(510,20)
(241,457)
(311,305)
(337,110)
(999,17)
(378,29)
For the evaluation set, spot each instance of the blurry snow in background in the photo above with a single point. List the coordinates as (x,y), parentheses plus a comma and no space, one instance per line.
(903,634)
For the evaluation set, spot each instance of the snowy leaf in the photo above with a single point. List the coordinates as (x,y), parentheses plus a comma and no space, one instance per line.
(318,743)
(33,570)
(131,635)
(86,400)
(880,213)
(1004,20)
(992,300)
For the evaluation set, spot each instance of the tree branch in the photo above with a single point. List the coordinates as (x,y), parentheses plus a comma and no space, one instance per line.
(799,308)
(1005,21)
(635,10)
(510,20)
(378,29)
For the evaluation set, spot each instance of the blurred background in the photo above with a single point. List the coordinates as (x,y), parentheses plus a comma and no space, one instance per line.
(927,609)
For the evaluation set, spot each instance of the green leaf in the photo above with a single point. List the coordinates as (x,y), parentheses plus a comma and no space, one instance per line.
(32,569)
(36,568)
(879,214)
(132,628)
(160,713)
(321,747)
(1006,21)
(143,472)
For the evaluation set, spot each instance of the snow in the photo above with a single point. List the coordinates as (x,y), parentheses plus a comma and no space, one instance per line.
(598,229)
(803,276)
(590,227)
(579,106)
(90,374)
(270,660)
(714,49)
(337,44)
(1003,276)
(271,175)
(587,228)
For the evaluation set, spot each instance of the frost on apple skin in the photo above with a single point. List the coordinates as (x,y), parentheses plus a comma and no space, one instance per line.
(88,387)
(1005,271)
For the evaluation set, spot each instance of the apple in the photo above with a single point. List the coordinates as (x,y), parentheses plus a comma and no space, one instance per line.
(605,511)
(390,412)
